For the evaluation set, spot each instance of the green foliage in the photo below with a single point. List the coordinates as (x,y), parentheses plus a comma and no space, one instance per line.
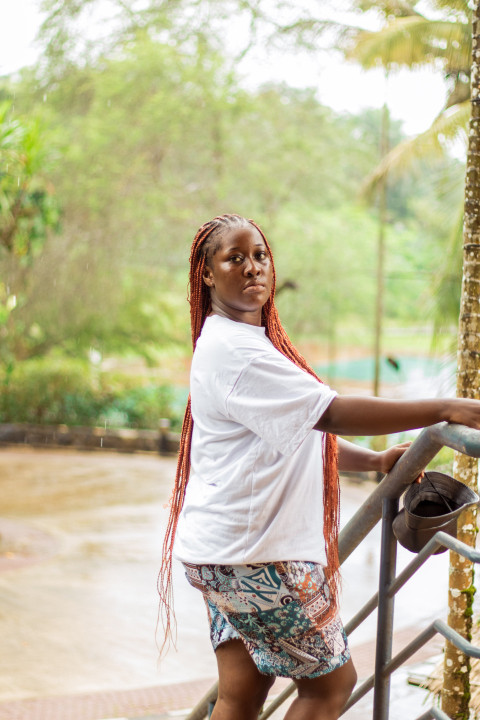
(154,139)
(139,407)
(71,392)
(330,286)
(180,23)
(27,206)
(28,210)
(437,34)
(48,391)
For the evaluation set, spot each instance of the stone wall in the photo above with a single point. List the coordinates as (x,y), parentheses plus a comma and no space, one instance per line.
(87,438)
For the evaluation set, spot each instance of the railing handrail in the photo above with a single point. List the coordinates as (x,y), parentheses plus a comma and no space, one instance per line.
(403,474)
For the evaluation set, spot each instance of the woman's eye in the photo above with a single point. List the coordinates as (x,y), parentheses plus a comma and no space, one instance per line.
(236,259)
(261,255)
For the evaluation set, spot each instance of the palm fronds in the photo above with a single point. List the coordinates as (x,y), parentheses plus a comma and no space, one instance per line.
(413,42)
(448,128)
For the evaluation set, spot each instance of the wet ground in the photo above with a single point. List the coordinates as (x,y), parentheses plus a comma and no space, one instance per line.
(79,611)
(80,541)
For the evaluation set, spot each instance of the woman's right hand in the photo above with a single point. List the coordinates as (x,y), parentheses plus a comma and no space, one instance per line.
(464,411)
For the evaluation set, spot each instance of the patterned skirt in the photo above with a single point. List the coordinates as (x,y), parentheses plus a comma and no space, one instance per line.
(279,612)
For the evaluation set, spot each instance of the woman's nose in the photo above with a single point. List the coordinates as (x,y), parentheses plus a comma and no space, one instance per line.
(251,267)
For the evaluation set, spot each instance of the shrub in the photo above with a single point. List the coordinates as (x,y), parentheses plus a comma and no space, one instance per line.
(71,392)
(139,407)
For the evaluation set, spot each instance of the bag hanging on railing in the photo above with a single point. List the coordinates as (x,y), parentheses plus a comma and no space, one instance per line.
(431,505)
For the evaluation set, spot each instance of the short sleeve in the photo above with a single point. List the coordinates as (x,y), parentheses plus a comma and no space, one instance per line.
(278,401)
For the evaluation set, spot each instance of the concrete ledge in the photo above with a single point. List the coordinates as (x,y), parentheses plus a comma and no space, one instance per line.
(91,438)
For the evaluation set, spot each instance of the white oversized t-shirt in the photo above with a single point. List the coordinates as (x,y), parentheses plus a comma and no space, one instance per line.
(255,492)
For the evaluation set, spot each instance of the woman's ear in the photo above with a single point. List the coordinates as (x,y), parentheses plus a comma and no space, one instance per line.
(208,276)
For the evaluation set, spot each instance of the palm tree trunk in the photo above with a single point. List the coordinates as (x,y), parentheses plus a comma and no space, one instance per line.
(456,678)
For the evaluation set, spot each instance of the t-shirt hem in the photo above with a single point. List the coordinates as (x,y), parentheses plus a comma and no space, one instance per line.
(218,560)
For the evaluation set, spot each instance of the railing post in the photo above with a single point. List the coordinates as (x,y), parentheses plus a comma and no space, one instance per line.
(388,559)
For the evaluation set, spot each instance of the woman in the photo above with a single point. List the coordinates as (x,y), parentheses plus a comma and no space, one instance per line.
(260,455)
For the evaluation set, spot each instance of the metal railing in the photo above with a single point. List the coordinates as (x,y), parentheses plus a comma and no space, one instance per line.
(383,503)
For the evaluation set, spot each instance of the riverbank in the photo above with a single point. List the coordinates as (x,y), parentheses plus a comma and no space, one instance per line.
(126,440)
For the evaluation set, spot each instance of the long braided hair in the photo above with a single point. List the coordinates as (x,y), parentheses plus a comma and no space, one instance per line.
(205,244)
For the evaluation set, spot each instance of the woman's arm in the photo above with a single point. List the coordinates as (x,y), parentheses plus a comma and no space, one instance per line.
(350,415)
(353,458)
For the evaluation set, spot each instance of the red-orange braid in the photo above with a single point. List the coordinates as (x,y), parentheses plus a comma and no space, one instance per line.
(204,247)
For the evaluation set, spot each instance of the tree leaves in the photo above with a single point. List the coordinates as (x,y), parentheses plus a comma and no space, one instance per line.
(27,208)
(152,140)
(414,41)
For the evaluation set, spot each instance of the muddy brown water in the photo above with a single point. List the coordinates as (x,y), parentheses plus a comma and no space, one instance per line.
(80,538)
(80,543)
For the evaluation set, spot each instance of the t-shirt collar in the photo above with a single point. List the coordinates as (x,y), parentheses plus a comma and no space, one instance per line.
(215,319)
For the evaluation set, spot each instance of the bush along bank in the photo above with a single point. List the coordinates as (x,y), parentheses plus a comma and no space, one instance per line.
(64,392)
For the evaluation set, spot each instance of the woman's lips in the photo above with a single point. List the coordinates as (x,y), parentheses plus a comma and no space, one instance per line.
(252,289)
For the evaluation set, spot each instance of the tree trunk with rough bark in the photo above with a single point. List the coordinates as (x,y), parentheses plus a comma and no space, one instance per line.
(456,678)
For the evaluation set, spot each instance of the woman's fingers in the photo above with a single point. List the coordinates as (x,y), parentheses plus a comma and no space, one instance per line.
(390,456)
(465,411)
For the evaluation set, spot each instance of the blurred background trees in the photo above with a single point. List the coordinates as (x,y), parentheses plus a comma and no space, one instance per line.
(119,143)
(437,35)
(27,211)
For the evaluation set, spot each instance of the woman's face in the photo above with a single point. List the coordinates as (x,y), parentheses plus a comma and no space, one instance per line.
(240,275)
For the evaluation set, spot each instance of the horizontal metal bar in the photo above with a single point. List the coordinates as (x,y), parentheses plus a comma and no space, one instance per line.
(458,437)
(440,539)
(435,713)
(438,626)
(362,615)
(460,547)
(460,642)
(409,650)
